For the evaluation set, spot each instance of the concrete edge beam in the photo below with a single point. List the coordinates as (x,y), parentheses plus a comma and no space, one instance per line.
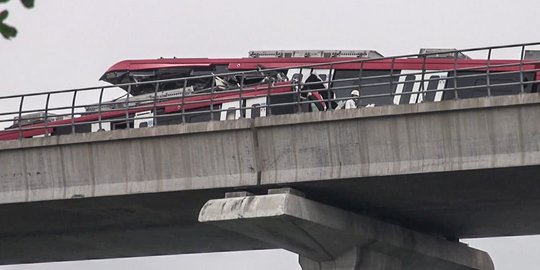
(328,235)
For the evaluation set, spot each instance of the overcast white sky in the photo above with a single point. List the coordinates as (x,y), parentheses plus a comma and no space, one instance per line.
(70,43)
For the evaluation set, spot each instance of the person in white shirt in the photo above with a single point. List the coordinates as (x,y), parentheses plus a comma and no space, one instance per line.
(352,103)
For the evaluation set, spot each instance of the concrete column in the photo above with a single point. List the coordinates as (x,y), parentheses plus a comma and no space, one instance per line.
(355,258)
(329,238)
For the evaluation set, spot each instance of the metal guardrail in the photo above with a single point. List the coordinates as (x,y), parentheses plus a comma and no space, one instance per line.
(80,110)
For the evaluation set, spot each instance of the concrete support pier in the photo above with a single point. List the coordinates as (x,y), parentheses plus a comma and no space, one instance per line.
(329,238)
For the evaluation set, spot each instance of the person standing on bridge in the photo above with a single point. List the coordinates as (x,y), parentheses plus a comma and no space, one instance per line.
(352,103)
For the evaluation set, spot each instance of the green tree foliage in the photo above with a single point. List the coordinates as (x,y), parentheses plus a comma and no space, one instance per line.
(6,30)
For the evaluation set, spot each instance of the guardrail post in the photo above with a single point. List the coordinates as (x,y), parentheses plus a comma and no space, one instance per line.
(182,101)
(20,117)
(521,69)
(212,91)
(331,97)
(154,112)
(298,85)
(422,89)
(73,112)
(47,114)
(456,96)
(99,109)
(488,79)
(360,75)
(269,112)
(391,79)
(242,88)
(126,107)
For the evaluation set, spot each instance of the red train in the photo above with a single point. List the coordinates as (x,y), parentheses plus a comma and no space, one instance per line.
(171,91)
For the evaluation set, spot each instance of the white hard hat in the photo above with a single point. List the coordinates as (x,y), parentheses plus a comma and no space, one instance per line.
(355,93)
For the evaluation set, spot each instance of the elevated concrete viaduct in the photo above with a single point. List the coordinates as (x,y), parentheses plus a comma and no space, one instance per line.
(409,180)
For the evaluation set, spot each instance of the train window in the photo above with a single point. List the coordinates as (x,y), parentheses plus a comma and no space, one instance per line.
(199,117)
(499,90)
(467,79)
(513,84)
(80,128)
(121,125)
(290,98)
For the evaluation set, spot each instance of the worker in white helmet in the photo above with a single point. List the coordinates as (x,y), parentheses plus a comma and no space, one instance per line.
(352,103)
